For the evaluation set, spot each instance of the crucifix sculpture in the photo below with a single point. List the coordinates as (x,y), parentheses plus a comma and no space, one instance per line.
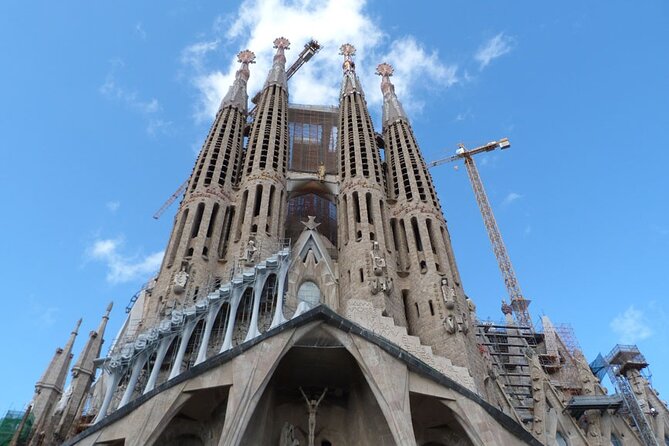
(312,408)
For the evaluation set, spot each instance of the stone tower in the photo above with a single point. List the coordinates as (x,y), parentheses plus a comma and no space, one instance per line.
(197,253)
(263,178)
(364,239)
(434,303)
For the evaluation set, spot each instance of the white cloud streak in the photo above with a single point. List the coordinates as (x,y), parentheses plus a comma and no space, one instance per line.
(331,22)
(150,109)
(631,326)
(123,268)
(510,198)
(111,89)
(496,47)
(113,206)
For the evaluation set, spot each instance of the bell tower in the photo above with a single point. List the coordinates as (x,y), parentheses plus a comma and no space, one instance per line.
(364,235)
(259,222)
(196,254)
(435,305)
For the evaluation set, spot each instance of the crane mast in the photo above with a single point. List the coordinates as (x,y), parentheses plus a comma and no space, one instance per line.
(518,302)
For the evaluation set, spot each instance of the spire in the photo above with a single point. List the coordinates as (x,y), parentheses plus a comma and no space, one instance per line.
(83,373)
(237,96)
(350,83)
(50,387)
(392,109)
(277,75)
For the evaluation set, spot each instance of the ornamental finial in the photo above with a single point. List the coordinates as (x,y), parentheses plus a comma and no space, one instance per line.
(282,43)
(347,50)
(385,70)
(246,56)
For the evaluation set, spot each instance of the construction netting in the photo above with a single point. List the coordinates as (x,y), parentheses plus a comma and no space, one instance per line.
(313,138)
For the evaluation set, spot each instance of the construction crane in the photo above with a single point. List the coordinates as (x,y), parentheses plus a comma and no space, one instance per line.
(311,48)
(518,303)
(171,200)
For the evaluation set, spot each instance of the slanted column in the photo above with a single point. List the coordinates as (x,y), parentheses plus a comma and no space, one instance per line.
(160,357)
(258,285)
(186,333)
(209,325)
(137,367)
(235,298)
(114,380)
(279,318)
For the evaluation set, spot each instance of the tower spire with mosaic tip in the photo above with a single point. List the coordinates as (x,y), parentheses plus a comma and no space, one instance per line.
(434,300)
(364,233)
(199,241)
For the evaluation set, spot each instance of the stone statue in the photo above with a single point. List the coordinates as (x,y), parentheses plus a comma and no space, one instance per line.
(448,294)
(312,408)
(288,436)
(250,250)
(378,262)
(450,324)
(179,281)
(321,172)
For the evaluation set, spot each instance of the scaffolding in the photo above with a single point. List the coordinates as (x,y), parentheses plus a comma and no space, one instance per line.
(621,360)
(11,422)
(509,348)
(313,151)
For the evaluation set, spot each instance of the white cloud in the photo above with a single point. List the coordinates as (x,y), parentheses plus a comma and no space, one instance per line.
(496,47)
(150,109)
(123,268)
(194,54)
(631,326)
(113,206)
(510,198)
(331,22)
(111,89)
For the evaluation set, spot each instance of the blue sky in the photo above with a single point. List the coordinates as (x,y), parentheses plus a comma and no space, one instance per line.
(105,105)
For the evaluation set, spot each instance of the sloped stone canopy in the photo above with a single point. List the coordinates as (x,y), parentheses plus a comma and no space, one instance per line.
(387,379)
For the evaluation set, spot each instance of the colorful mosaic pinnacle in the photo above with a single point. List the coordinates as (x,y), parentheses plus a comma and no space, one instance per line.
(246,57)
(282,42)
(385,70)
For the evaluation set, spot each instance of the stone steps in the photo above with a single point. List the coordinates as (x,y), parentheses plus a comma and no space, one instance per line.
(363,313)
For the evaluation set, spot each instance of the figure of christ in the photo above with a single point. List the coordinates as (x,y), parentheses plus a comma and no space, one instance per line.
(312,408)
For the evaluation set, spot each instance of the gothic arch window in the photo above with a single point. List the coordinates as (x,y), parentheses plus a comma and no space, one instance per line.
(309,293)
(615,441)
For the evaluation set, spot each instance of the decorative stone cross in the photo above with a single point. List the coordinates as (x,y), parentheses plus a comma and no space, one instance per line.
(310,223)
